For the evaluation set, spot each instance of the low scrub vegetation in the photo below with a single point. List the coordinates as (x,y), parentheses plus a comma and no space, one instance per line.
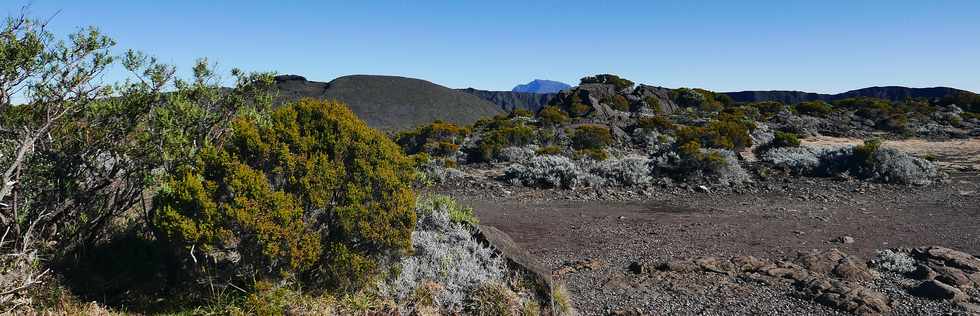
(814,108)
(866,161)
(620,83)
(439,139)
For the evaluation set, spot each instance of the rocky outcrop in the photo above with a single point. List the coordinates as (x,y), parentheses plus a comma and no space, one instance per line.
(830,277)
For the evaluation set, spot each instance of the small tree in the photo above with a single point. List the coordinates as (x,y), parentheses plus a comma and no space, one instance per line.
(48,80)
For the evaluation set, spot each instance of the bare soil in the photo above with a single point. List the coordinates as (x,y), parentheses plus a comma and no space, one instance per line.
(776,220)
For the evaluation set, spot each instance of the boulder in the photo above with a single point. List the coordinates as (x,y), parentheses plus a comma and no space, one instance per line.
(948,257)
(844,295)
(937,290)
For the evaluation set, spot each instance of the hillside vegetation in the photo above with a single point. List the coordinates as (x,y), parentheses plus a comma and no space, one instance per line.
(609,132)
(160,194)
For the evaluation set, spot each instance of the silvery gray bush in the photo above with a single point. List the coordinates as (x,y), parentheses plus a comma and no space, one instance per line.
(435,172)
(517,154)
(545,171)
(894,261)
(887,165)
(802,160)
(730,172)
(892,166)
(626,172)
(445,253)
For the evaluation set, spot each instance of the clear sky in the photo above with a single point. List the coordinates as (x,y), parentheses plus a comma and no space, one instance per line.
(819,46)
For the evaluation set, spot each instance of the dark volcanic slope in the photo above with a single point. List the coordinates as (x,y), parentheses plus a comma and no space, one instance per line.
(509,100)
(890,93)
(391,103)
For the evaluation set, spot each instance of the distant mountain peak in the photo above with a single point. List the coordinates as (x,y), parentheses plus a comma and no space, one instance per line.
(541,86)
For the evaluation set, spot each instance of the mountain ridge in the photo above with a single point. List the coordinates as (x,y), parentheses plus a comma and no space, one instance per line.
(541,86)
(892,93)
(391,103)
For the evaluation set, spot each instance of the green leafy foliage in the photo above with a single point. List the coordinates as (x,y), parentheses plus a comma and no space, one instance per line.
(312,190)
(814,108)
(620,83)
(693,158)
(723,133)
(617,102)
(520,113)
(578,109)
(653,103)
(591,137)
(768,108)
(548,150)
(865,152)
(438,139)
(785,139)
(702,99)
(552,116)
(495,140)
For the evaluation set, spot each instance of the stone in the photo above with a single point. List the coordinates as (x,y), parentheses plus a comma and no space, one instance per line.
(847,296)
(971,308)
(950,257)
(846,240)
(923,272)
(952,276)
(748,263)
(852,270)
(679,266)
(937,290)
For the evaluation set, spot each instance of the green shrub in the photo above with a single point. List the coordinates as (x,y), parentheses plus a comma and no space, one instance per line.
(548,150)
(768,108)
(457,213)
(724,134)
(552,116)
(591,137)
(653,103)
(439,139)
(814,108)
(520,113)
(578,109)
(617,102)
(699,98)
(872,108)
(495,140)
(784,139)
(658,122)
(314,191)
(620,83)
(895,122)
(494,299)
(865,152)
(693,158)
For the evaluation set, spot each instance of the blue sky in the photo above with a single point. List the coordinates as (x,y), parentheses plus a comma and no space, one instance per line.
(819,46)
